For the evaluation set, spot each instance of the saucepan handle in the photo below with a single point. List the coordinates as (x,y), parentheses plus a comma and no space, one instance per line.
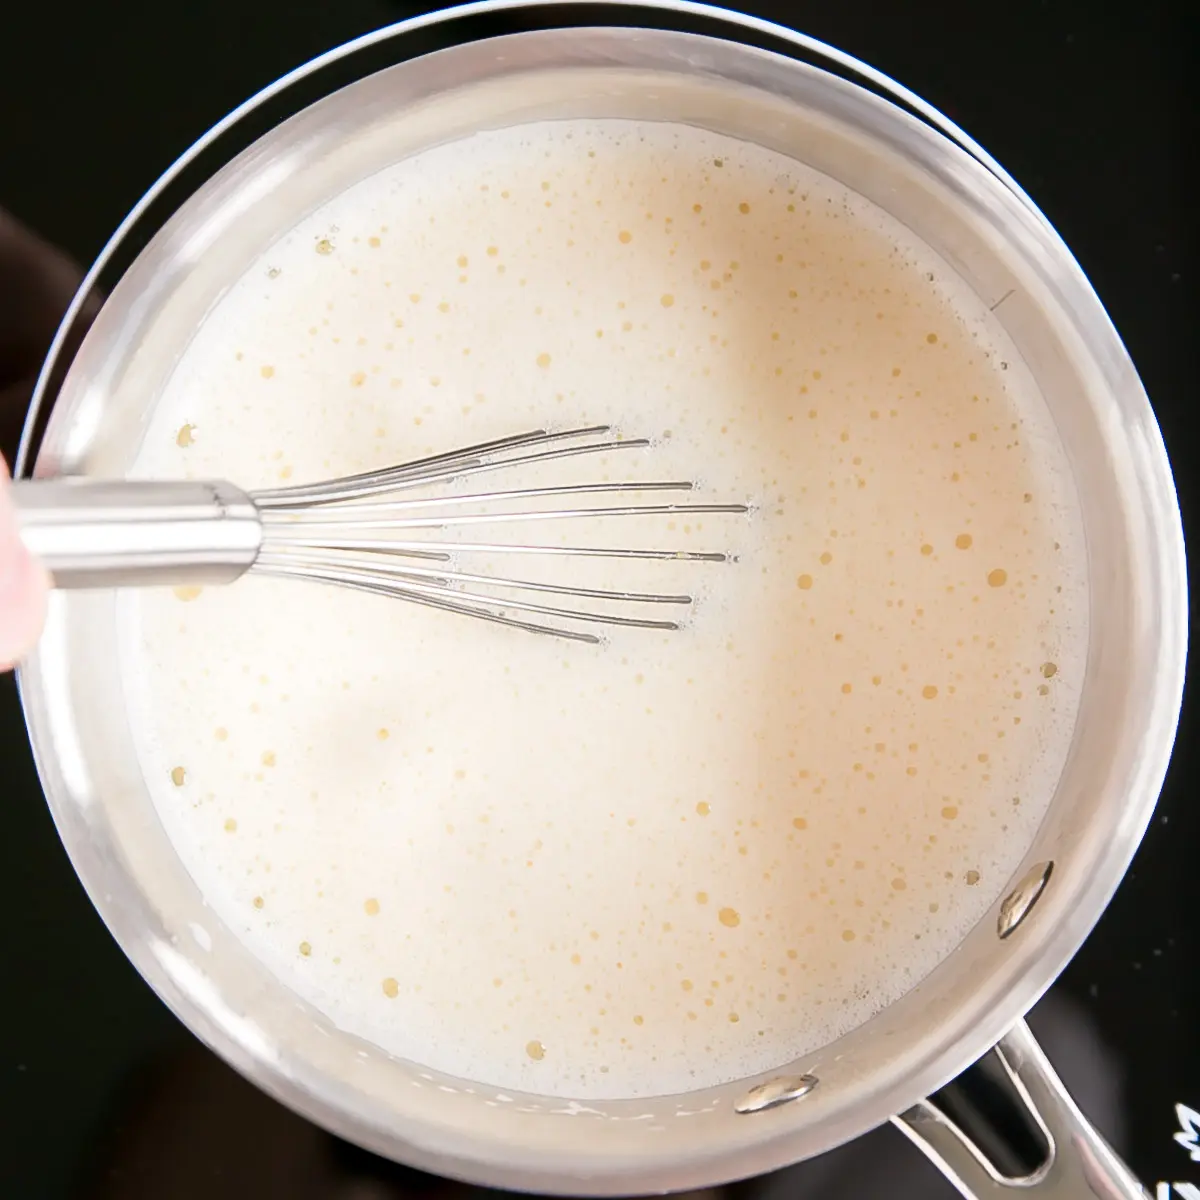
(1078,1164)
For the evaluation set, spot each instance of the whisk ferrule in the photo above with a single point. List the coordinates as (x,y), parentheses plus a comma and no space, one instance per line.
(99,533)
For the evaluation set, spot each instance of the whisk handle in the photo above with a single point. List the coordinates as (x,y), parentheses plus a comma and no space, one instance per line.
(112,533)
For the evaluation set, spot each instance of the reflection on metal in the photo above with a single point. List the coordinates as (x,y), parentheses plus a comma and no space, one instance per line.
(1018,903)
(775,1092)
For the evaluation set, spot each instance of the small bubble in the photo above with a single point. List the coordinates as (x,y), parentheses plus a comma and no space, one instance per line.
(743,208)
(305,949)
(703,809)
(230,825)
(371,907)
(325,246)
(929,691)
(729,917)
(391,989)
(826,559)
(543,360)
(963,541)
(267,372)
(931,338)
(949,812)
(535,1050)
(927,549)
(258,902)
(268,758)
(804,582)
(972,878)
(848,935)
(358,378)
(178,775)
(997,578)
(667,300)
(639,1020)
(625,237)
(1049,670)
(382,734)
(187,594)
(701,897)
(898,884)
(799,823)
(184,436)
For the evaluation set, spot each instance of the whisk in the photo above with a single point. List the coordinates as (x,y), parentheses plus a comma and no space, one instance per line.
(365,532)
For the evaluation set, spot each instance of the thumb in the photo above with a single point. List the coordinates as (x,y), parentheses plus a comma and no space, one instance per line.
(23,585)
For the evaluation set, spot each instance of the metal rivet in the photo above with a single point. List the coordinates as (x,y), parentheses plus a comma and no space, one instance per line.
(781,1090)
(1017,904)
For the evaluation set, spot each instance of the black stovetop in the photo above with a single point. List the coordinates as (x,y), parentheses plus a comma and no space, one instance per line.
(102,1092)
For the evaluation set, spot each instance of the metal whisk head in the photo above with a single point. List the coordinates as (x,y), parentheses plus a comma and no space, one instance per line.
(346,532)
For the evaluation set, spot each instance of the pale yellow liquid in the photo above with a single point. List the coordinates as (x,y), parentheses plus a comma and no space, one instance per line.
(676,858)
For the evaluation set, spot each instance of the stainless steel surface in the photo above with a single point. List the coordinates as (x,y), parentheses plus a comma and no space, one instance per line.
(93,533)
(1080,1165)
(100,533)
(928,175)
(775,1092)
(1018,904)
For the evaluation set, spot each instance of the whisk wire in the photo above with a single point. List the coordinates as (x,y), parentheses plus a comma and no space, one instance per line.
(466,455)
(447,575)
(501,518)
(444,550)
(315,531)
(464,601)
(443,469)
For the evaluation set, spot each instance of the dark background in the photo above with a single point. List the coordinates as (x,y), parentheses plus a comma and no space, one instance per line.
(1089,106)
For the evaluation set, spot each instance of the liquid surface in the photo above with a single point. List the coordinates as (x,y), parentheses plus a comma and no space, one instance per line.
(674,859)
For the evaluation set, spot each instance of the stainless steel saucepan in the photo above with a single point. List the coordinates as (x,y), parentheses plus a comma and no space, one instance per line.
(446,75)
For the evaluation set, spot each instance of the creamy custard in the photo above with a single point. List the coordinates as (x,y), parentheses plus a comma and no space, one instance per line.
(676,858)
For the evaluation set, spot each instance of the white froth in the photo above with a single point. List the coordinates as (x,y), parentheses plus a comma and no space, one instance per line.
(675,859)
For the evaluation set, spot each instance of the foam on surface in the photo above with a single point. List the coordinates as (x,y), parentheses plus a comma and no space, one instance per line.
(678,858)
